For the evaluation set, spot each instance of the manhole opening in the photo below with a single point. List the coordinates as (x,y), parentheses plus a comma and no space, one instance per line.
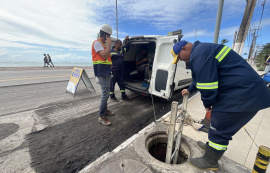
(156,144)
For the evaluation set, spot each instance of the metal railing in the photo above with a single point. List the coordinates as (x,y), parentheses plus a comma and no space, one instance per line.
(172,155)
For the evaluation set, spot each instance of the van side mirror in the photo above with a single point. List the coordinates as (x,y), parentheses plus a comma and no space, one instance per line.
(174,41)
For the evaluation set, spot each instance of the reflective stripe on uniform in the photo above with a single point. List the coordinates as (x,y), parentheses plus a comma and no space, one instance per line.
(111,92)
(224,51)
(114,53)
(212,85)
(122,91)
(217,146)
(102,62)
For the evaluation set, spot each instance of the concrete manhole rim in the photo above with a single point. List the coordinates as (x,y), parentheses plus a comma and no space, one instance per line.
(145,167)
(149,159)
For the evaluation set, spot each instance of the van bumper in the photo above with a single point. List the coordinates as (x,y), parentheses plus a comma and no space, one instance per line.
(138,91)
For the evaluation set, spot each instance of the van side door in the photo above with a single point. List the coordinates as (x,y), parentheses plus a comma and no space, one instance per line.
(163,72)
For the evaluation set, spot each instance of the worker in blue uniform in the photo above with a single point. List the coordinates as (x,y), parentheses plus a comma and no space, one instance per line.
(117,56)
(229,87)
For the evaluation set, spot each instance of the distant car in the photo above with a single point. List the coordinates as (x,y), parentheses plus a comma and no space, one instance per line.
(266,78)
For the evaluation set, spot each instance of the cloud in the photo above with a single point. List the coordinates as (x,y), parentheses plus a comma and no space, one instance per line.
(67,24)
(69,57)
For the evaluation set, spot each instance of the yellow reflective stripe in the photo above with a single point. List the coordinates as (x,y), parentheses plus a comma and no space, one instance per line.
(224,51)
(102,62)
(114,53)
(212,85)
(125,49)
(122,91)
(217,146)
(111,92)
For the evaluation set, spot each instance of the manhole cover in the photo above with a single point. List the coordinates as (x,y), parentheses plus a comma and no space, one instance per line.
(125,166)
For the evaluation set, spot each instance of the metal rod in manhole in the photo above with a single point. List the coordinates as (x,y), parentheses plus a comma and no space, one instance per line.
(178,134)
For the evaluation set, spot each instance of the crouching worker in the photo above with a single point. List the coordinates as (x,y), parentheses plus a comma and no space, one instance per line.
(117,56)
(229,88)
(102,68)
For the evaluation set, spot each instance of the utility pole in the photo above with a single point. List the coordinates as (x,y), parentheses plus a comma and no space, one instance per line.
(243,30)
(251,50)
(116,20)
(235,35)
(218,21)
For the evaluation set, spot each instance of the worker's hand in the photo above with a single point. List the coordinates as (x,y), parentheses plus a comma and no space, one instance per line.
(185,91)
(108,40)
(126,38)
(208,109)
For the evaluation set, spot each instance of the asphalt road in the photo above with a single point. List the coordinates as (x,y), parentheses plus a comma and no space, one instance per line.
(44,129)
(21,77)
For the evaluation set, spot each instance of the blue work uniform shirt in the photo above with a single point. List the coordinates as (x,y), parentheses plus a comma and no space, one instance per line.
(229,84)
(118,58)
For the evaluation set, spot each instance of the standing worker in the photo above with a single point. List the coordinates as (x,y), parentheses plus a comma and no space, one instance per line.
(229,87)
(102,68)
(117,56)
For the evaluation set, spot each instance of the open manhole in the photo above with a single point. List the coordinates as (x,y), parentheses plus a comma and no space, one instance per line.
(156,144)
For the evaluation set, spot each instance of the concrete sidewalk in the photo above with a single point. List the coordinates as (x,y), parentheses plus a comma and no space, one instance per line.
(132,155)
(241,149)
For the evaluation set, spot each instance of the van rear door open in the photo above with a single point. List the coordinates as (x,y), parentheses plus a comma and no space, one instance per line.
(163,71)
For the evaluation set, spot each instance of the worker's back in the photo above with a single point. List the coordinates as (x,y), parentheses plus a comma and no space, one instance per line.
(240,88)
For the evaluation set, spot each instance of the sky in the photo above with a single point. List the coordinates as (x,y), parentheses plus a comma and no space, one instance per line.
(66,29)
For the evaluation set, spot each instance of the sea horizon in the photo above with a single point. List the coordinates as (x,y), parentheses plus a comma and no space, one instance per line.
(41,64)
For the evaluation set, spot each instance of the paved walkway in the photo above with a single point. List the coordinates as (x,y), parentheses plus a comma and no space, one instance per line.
(241,149)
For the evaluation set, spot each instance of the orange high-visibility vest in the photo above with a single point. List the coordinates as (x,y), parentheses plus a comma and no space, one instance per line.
(102,67)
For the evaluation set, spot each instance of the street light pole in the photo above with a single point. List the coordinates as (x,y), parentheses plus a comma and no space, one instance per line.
(116,20)
(218,21)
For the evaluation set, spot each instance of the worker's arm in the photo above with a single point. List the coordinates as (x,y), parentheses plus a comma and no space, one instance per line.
(106,52)
(140,62)
(206,71)
(192,87)
(127,44)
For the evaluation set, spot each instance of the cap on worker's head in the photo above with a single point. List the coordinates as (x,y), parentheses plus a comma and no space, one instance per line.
(106,28)
(176,49)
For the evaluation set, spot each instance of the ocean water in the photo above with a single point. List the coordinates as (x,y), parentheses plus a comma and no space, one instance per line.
(41,64)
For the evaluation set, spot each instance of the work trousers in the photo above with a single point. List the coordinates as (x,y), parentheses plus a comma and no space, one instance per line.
(224,125)
(104,82)
(117,77)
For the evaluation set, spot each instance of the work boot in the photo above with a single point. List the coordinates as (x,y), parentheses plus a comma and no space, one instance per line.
(114,99)
(104,121)
(125,98)
(109,113)
(209,161)
(202,145)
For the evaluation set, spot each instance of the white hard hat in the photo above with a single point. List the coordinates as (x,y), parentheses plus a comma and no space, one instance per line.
(106,28)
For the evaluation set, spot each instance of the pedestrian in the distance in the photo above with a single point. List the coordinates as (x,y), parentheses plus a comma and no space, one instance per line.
(50,60)
(45,60)
(229,87)
(117,56)
(102,68)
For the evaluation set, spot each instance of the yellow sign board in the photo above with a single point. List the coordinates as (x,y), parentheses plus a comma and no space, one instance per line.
(74,80)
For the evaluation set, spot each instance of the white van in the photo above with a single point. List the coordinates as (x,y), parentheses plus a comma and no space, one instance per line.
(164,77)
